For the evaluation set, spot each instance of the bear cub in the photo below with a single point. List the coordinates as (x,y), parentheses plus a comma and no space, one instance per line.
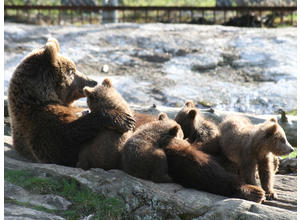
(158,152)
(198,130)
(104,151)
(195,169)
(142,155)
(250,146)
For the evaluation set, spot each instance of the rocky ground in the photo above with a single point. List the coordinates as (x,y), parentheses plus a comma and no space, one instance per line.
(139,199)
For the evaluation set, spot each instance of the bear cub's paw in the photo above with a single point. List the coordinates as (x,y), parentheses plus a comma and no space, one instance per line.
(252,193)
(271,196)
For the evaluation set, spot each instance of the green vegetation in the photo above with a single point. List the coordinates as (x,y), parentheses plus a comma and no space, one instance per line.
(84,200)
(291,155)
(125,2)
(29,205)
(169,3)
(293,112)
(205,104)
(32,2)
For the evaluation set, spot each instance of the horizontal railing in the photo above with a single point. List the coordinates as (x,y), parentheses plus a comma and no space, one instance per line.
(183,14)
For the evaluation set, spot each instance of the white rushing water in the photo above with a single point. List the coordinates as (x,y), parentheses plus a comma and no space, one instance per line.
(237,69)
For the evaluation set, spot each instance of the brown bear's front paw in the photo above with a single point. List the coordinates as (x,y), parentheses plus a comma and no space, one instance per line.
(252,193)
(271,196)
(122,122)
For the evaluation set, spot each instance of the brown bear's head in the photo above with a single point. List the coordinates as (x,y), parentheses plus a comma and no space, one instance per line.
(45,76)
(70,82)
(273,138)
(105,97)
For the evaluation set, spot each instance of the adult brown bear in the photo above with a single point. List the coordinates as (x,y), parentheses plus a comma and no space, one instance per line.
(45,125)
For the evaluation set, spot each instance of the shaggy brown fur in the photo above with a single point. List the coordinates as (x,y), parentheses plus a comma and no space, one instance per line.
(142,118)
(142,155)
(249,145)
(105,150)
(196,169)
(44,124)
(198,130)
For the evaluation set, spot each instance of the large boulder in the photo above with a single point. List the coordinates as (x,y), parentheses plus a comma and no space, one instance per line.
(143,199)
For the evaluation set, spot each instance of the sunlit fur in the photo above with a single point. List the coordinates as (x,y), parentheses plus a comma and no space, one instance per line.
(250,146)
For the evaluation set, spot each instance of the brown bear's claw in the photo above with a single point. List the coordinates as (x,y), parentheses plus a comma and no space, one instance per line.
(271,196)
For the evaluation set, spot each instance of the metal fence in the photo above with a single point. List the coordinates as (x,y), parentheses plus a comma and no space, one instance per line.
(93,14)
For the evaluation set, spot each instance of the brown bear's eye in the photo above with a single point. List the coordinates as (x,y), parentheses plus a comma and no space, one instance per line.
(282,140)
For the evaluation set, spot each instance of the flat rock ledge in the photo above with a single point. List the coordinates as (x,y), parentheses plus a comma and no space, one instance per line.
(143,199)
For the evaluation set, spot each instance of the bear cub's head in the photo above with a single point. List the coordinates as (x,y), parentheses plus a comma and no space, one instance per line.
(187,118)
(195,127)
(167,129)
(273,138)
(105,97)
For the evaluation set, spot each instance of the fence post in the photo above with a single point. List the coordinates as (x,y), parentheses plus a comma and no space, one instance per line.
(110,16)
(146,15)
(214,16)
(179,16)
(72,17)
(59,16)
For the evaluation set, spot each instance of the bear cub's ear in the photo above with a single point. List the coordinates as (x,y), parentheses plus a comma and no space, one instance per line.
(107,83)
(273,120)
(192,113)
(51,50)
(189,104)
(162,116)
(88,91)
(174,130)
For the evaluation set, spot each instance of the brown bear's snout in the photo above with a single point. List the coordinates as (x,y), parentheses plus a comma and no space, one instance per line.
(287,149)
(290,148)
(91,83)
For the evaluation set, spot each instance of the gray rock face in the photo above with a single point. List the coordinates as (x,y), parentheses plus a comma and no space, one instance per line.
(147,200)
(234,69)
(288,165)
(17,193)
(16,212)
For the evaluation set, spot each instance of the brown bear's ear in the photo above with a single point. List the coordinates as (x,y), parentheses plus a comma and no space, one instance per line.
(174,130)
(192,113)
(273,120)
(271,128)
(51,51)
(107,83)
(53,40)
(189,104)
(162,116)
(88,91)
